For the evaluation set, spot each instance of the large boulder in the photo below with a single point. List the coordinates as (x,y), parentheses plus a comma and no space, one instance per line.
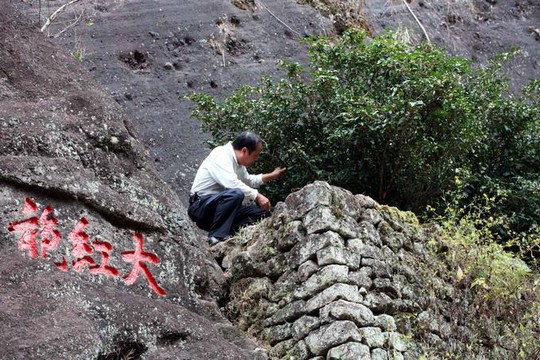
(97,257)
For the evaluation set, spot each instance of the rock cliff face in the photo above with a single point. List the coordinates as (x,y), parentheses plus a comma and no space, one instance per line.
(333,275)
(97,257)
(149,54)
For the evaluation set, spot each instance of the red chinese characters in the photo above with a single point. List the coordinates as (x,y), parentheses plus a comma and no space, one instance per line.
(138,257)
(104,248)
(39,236)
(50,237)
(81,249)
(31,227)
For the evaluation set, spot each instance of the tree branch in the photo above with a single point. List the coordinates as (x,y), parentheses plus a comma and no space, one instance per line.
(417,21)
(55,14)
(278,19)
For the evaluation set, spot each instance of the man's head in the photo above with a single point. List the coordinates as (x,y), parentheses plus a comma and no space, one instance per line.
(247,147)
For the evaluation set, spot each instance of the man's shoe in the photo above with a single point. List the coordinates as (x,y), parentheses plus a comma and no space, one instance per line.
(212,240)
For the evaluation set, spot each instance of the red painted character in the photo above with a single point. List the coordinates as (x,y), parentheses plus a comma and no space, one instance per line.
(44,225)
(81,249)
(138,257)
(104,268)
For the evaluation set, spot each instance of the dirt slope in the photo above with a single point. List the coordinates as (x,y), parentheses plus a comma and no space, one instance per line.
(149,54)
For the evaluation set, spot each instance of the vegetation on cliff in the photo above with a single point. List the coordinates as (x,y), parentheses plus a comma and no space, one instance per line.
(493,291)
(414,127)
(406,124)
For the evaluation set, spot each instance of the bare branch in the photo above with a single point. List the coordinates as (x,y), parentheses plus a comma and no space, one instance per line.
(278,19)
(75,22)
(55,14)
(417,21)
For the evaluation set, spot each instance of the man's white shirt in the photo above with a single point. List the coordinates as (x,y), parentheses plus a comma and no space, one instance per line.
(220,171)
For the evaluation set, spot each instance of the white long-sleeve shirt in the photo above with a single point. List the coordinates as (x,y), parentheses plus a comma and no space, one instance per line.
(220,170)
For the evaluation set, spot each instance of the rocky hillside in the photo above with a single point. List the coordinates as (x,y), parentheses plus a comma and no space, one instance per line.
(99,260)
(148,54)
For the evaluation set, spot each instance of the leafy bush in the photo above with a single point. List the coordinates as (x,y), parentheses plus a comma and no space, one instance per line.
(505,164)
(410,126)
(392,120)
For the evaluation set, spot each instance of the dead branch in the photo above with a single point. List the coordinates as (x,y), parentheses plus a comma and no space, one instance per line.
(417,21)
(278,19)
(75,22)
(55,14)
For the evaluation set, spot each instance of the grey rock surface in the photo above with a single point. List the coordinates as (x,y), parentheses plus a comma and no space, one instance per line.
(65,143)
(214,46)
(125,45)
(97,257)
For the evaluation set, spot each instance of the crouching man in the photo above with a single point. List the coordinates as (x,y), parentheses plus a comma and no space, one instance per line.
(223,196)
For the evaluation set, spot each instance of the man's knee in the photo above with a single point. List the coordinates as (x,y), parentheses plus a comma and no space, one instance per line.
(234,194)
(255,213)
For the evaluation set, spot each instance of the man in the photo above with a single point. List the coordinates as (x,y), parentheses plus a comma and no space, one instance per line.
(223,192)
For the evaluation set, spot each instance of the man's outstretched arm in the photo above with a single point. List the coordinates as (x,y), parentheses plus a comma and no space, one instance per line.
(276,174)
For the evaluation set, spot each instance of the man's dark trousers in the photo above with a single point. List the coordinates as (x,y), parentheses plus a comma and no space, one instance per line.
(222,214)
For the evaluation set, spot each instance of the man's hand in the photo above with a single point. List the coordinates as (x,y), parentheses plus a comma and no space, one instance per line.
(279,172)
(276,174)
(262,201)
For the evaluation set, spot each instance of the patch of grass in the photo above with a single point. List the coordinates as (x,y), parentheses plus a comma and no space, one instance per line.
(245,4)
(345,14)
(493,294)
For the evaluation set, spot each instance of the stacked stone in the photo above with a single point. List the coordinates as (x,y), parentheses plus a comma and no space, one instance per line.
(324,277)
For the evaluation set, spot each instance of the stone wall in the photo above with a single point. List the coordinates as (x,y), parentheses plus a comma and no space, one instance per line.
(332,275)
(323,277)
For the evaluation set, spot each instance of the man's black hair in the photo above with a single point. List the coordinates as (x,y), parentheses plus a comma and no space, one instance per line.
(248,140)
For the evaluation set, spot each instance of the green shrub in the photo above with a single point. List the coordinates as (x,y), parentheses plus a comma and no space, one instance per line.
(410,126)
(394,121)
(505,163)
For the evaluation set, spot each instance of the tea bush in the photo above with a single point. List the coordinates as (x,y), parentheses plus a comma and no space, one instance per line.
(395,121)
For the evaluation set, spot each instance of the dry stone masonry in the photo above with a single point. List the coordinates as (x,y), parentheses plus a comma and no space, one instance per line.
(329,276)
(324,277)
(332,275)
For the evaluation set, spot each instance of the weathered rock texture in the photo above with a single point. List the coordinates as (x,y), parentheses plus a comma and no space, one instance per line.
(149,54)
(66,144)
(333,275)
(78,195)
